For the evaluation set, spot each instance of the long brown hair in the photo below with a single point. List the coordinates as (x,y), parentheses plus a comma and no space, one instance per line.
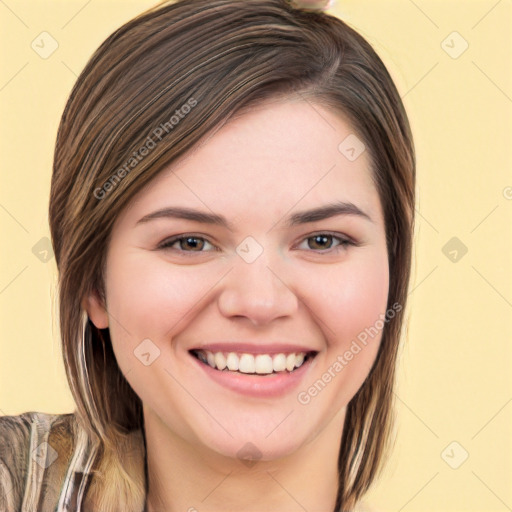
(218,57)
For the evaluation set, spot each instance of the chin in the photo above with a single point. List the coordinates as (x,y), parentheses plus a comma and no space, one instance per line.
(262,450)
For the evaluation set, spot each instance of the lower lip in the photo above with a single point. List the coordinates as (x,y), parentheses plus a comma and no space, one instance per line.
(271,385)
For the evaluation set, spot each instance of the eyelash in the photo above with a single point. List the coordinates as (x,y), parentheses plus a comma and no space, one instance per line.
(344,242)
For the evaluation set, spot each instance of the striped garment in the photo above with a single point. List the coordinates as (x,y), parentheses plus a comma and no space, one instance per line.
(45,460)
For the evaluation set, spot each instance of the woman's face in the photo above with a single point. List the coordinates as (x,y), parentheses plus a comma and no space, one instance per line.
(264,268)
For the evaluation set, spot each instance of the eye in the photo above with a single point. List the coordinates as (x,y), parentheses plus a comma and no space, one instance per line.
(324,241)
(186,243)
(320,242)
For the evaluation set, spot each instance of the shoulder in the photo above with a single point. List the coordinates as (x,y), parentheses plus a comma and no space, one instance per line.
(31,445)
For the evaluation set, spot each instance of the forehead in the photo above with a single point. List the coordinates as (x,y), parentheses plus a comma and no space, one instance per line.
(277,155)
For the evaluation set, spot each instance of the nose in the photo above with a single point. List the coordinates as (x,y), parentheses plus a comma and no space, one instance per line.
(257,292)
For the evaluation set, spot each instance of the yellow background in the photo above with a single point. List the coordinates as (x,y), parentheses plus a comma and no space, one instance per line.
(454,375)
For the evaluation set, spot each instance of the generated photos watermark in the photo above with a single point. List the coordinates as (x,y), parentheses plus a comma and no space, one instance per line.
(149,144)
(369,333)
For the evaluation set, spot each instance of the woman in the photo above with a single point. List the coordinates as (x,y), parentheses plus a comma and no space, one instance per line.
(231,213)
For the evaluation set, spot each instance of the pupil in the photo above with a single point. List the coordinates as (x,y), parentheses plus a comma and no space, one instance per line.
(192,241)
(322,238)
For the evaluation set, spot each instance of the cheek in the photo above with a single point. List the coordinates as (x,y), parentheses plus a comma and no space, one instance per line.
(149,298)
(349,314)
(352,308)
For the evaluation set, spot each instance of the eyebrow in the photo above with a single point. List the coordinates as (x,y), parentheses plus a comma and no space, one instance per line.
(303,217)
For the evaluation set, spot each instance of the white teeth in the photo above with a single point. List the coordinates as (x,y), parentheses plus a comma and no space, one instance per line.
(290,362)
(262,364)
(220,361)
(210,358)
(232,361)
(279,363)
(247,364)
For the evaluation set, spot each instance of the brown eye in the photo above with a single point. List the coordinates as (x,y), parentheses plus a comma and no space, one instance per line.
(323,242)
(191,242)
(188,243)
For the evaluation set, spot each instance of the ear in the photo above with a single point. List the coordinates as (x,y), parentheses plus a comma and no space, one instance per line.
(96,311)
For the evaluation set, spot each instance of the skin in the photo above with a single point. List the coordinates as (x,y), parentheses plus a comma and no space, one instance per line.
(277,159)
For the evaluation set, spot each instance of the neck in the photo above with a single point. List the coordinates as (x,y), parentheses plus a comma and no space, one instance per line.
(191,477)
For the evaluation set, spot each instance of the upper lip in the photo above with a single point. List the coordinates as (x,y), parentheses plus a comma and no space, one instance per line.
(255,348)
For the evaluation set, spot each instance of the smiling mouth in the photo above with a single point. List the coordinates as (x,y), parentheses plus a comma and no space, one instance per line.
(253,364)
